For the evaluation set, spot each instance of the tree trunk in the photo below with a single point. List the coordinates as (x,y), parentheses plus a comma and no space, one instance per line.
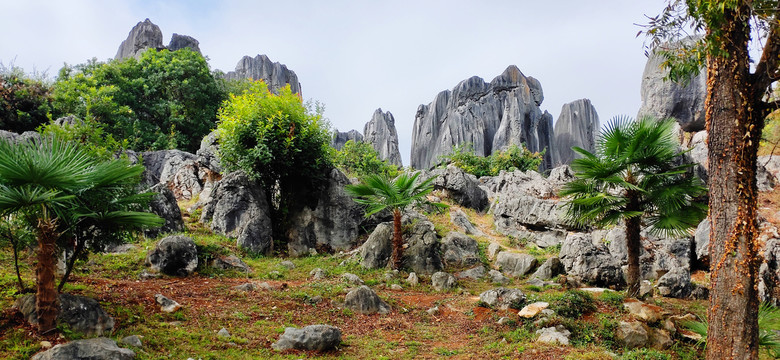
(46,295)
(398,240)
(734,127)
(69,268)
(633,245)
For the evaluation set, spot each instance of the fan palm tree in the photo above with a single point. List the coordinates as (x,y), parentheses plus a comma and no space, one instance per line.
(635,174)
(45,182)
(379,192)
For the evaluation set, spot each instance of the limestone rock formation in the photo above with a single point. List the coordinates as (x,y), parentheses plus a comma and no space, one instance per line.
(174,255)
(312,337)
(381,134)
(577,125)
(144,35)
(341,138)
(179,42)
(663,98)
(96,349)
(82,314)
(490,116)
(261,67)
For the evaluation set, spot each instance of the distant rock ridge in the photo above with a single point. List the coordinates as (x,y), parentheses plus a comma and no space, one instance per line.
(147,35)
(577,125)
(380,132)
(340,138)
(490,116)
(274,74)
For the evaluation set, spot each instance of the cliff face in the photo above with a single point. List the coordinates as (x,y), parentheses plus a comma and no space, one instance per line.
(144,35)
(274,74)
(380,132)
(577,125)
(490,116)
(341,138)
(179,42)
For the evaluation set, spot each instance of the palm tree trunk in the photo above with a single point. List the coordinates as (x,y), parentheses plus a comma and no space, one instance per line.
(46,295)
(71,263)
(398,241)
(633,245)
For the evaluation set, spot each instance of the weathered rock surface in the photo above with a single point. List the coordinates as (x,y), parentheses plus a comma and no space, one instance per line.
(503,298)
(89,349)
(423,254)
(365,301)
(591,263)
(82,314)
(769,273)
(332,221)
(676,283)
(551,268)
(558,334)
(341,138)
(459,219)
(577,125)
(632,334)
(459,250)
(663,99)
(238,208)
(461,187)
(164,205)
(230,262)
(497,277)
(515,264)
(381,134)
(474,273)
(377,250)
(442,281)
(167,305)
(490,116)
(144,35)
(174,255)
(261,67)
(645,312)
(180,171)
(312,337)
(207,154)
(529,311)
(179,42)
(702,241)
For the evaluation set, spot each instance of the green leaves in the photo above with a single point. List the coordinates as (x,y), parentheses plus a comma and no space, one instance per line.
(360,159)
(512,158)
(379,192)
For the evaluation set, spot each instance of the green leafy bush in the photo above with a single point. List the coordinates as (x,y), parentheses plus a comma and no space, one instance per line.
(25,102)
(573,303)
(89,134)
(645,354)
(360,159)
(512,158)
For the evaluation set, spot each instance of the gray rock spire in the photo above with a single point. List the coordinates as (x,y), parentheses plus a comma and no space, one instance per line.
(144,35)
(274,74)
(380,132)
(577,125)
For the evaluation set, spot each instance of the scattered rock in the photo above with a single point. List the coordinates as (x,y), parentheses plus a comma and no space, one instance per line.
(230,262)
(265,286)
(164,205)
(503,320)
(396,287)
(145,275)
(93,349)
(497,277)
(245,287)
(530,311)
(223,333)
(474,273)
(645,288)
(46,345)
(365,301)
(676,283)
(642,311)
(174,255)
(318,274)
(442,281)
(312,337)
(632,334)
(550,269)
(514,264)
(503,298)
(433,311)
(459,250)
(552,335)
(412,279)
(167,305)
(493,250)
(377,250)
(391,275)
(660,339)
(82,314)
(287,264)
(461,187)
(460,220)
(352,279)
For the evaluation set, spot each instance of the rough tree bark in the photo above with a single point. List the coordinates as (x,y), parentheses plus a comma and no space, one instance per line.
(46,296)
(633,244)
(398,241)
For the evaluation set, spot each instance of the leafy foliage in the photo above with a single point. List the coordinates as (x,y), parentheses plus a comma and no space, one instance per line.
(379,192)
(163,100)
(573,304)
(89,134)
(768,323)
(360,159)
(512,158)
(25,102)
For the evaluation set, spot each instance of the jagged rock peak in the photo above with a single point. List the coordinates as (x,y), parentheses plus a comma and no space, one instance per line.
(260,67)
(490,116)
(144,35)
(341,138)
(577,125)
(179,42)
(380,132)
(663,98)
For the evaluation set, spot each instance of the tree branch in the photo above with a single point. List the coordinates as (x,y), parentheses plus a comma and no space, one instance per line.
(767,68)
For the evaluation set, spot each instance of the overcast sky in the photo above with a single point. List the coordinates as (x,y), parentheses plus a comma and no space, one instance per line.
(357,56)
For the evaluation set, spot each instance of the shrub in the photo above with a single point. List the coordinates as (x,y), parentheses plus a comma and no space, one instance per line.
(360,159)
(573,303)
(89,134)
(512,158)
(25,102)
(645,354)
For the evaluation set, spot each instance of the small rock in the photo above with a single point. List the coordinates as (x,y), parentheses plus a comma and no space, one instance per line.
(535,281)
(45,344)
(433,311)
(548,312)
(474,273)
(497,277)
(552,335)
(594,290)
(246,287)
(223,333)
(275,275)
(365,301)
(529,311)
(167,305)
(314,300)
(145,275)
(396,287)
(493,250)
(660,339)
(645,288)
(97,348)
(318,274)
(503,298)
(352,279)
(230,262)
(645,312)
(632,334)
(312,337)
(287,264)
(265,286)
(132,340)
(442,281)
(391,275)
(503,320)
(412,279)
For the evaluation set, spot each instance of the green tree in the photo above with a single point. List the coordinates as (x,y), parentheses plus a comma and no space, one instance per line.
(361,159)
(739,89)
(378,192)
(632,175)
(512,158)
(49,184)
(277,141)
(25,101)
(162,100)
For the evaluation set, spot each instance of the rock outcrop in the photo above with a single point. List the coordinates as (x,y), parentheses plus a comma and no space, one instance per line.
(312,337)
(174,255)
(381,134)
(490,116)
(93,349)
(261,67)
(164,205)
(144,35)
(341,138)
(663,98)
(179,42)
(577,125)
(82,314)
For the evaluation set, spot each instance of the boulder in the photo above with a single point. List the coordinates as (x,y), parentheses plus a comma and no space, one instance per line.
(503,298)
(144,35)
(132,340)
(523,211)
(207,154)
(528,183)
(577,125)
(769,273)
(497,277)
(514,264)
(676,283)
(462,187)
(274,74)
(664,99)
(459,250)
(422,254)
(331,220)
(632,334)
(238,208)
(530,311)
(551,335)
(167,305)
(164,205)
(230,262)
(645,312)
(660,339)
(174,255)
(179,42)
(180,171)
(377,250)
(589,262)
(82,314)
(474,273)
(493,250)
(442,281)
(381,134)
(461,221)
(352,279)
(551,268)
(341,138)
(490,116)
(88,349)
(312,337)
(365,301)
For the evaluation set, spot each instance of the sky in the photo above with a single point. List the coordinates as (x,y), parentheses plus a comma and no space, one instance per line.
(357,56)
